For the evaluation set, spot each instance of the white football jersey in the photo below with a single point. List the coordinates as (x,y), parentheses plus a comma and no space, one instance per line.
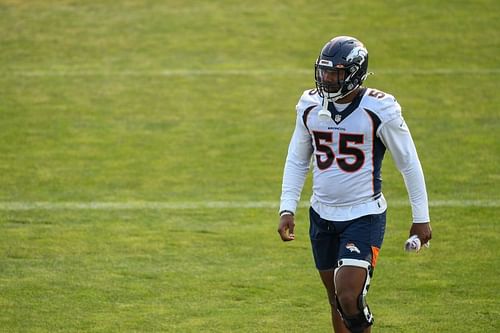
(346,151)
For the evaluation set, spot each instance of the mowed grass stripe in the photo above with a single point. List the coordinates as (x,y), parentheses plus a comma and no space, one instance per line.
(150,205)
(252,72)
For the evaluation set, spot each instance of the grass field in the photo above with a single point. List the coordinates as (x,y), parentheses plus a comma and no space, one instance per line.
(173,118)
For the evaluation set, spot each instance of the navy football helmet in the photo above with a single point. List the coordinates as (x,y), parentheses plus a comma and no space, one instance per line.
(341,67)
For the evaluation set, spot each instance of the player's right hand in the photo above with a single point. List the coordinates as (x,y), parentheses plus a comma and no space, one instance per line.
(422,230)
(286,227)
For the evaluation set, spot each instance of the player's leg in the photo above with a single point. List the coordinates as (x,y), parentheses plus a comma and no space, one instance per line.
(338,323)
(359,246)
(325,243)
(351,287)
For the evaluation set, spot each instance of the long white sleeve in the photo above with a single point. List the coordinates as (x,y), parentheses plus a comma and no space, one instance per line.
(297,166)
(397,138)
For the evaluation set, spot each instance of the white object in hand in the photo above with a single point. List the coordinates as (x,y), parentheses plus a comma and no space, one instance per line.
(413,244)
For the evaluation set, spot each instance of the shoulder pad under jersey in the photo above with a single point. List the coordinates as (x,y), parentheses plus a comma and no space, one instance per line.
(309,98)
(382,104)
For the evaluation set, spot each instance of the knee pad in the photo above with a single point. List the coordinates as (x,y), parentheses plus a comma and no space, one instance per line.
(364,319)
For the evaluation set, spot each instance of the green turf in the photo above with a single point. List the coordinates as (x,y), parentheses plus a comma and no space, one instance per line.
(92,110)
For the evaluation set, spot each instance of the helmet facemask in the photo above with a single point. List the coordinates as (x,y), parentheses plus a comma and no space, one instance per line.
(336,82)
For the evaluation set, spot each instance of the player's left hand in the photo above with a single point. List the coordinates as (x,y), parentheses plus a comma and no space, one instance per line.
(422,230)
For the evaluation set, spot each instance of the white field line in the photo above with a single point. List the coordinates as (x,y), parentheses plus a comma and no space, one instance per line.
(233,72)
(181,205)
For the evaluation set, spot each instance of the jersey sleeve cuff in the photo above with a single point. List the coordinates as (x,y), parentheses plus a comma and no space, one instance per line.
(427,220)
(289,206)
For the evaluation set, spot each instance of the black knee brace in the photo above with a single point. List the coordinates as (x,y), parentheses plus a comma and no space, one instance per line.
(357,323)
(364,319)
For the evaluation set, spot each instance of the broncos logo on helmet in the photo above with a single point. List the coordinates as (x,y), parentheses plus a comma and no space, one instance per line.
(358,54)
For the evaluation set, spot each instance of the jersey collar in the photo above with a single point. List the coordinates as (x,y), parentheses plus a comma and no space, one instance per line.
(337,116)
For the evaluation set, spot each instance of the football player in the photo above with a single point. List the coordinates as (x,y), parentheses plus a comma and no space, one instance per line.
(345,128)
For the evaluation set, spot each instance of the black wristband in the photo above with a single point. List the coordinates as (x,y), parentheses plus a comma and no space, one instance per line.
(286,212)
